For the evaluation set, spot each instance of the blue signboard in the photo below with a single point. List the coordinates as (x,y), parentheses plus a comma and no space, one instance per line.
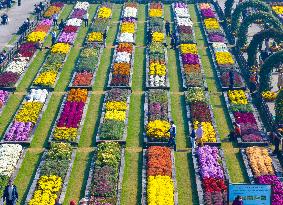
(251,194)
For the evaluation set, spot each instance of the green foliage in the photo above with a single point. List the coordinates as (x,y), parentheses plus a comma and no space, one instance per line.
(258,40)
(3,183)
(158,96)
(267,18)
(279,108)
(112,130)
(254,4)
(108,154)
(241,108)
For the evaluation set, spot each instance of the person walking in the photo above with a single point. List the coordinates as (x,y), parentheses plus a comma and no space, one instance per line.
(55,19)
(172,132)
(199,134)
(238,201)
(237,130)
(104,38)
(61,25)
(167,28)
(10,194)
(276,140)
(85,18)
(172,43)
(231,79)
(193,137)
(280,79)
(53,37)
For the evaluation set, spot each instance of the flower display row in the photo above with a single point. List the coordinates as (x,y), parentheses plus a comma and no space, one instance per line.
(160,184)
(212,175)
(70,117)
(4,95)
(54,8)
(277,7)
(27,116)
(263,171)
(52,173)
(183,23)
(200,112)
(155,9)
(122,65)
(10,154)
(214,33)
(52,66)
(105,176)
(100,24)
(130,10)
(243,114)
(157,113)
(115,112)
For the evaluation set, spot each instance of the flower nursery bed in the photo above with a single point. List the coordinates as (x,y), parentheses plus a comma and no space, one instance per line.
(183,25)
(28,53)
(210,23)
(155,9)
(212,185)
(116,105)
(263,168)
(199,110)
(25,120)
(4,98)
(157,115)
(248,118)
(106,173)
(49,174)
(277,8)
(12,156)
(100,24)
(68,128)
(159,182)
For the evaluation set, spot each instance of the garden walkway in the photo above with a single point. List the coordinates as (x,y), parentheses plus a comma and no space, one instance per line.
(17,15)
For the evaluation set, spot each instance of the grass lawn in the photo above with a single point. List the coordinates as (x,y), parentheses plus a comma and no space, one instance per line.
(131,187)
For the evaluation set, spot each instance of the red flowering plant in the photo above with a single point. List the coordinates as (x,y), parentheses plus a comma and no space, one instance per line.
(238,80)
(27,49)
(83,78)
(70,29)
(200,111)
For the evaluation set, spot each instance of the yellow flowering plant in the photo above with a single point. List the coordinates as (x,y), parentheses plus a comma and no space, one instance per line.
(46,191)
(116,105)
(269,95)
(237,97)
(46,78)
(278,9)
(209,134)
(224,58)
(158,37)
(104,12)
(189,48)
(155,12)
(128,27)
(62,48)
(157,69)
(29,112)
(211,23)
(65,133)
(95,37)
(115,115)
(160,190)
(158,129)
(36,36)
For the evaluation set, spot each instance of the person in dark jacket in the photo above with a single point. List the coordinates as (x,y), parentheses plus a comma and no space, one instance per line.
(231,79)
(238,201)
(10,194)
(167,28)
(172,138)
(61,25)
(172,43)
(276,140)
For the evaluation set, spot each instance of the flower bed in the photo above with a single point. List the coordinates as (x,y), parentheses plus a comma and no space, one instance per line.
(27,117)
(157,115)
(54,8)
(70,119)
(212,175)
(52,175)
(159,185)
(114,117)
(4,96)
(262,168)
(11,158)
(156,10)
(200,111)
(106,174)
(243,113)
(100,24)
(122,66)
(277,8)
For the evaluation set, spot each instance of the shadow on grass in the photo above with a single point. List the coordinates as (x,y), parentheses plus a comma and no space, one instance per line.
(32,178)
(86,174)
(179,71)
(93,143)
(185,120)
(141,121)
(242,166)
(140,161)
(109,69)
(192,179)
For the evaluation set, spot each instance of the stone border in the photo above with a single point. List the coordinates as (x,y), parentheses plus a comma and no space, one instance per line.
(124,137)
(30,61)
(80,127)
(120,180)
(144,178)
(62,192)
(190,122)
(198,177)
(147,141)
(259,123)
(275,162)
(5,103)
(31,134)
(109,86)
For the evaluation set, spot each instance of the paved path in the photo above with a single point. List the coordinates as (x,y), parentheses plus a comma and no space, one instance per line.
(17,15)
